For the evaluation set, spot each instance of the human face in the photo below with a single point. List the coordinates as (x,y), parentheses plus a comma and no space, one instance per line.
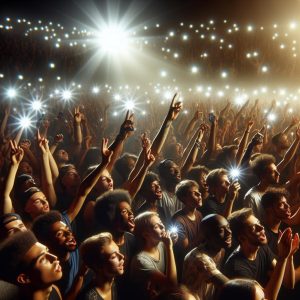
(27,184)
(284,142)
(25,168)
(114,264)
(105,182)
(221,233)
(155,230)
(281,209)
(44,268)
(126,221)
(155,190)
(14,226)
(203,187)
(71,178)
(271,175)
(254,232)
(62,239)
(193,198)
(37,204)
(223,186)
(173,173)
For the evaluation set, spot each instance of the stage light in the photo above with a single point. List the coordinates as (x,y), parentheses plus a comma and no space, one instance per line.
(66,95)
(11,93)
(194,69)
(113,39)
(224,74)
(95,90)
(36,105)
(129,105)
(271,117)
(264,69)
(25,122)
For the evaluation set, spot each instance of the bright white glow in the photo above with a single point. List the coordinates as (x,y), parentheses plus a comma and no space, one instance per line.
(249,28)
(95,90)
(235,173)
(66,95)
(194,69)
(185,37)
(25,122)
(240,100)
(117,97)
(163,73)
(264,69)
(52,65)
(173,229)
(11,93)
(293,25)
(271,117)
(113,39)
(129,105)
(224,74)
(36,105)
(168,95)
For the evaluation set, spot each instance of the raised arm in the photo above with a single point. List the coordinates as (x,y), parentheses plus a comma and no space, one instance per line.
(16,156)
(243,143)
(89,182)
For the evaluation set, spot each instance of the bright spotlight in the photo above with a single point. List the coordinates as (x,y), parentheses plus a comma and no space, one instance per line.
(224,74)
(129,105)
(11,93)
(293,25)
(113,39)
(264,69)
(271,117)
(36,105)
(194,69)
(95,90)
(66,95)
(25,122)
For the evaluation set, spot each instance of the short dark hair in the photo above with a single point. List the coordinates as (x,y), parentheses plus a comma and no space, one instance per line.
(276,138)
(163,167)
(106,207)
(149,178)
(42,225)
(213,177)
(261,162)
(237,220)
(25,196)
(12,252)
(91,249)
(195,172)
(183,187)
(273,195)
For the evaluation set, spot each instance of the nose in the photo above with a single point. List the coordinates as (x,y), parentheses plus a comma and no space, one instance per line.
(51,257)
(259,227)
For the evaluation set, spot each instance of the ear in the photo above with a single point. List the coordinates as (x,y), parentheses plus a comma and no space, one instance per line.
(23,279)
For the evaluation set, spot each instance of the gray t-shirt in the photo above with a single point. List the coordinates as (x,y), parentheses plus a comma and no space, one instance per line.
(170,204)
(253,200)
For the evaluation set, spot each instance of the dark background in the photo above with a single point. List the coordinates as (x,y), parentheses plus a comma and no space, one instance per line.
(172,11)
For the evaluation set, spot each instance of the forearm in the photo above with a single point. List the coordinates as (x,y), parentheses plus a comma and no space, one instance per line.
(273,286)
(242,147)
(247,154)
(3,125)
(77,133)
(53,167)
(171,272)
(190,160)
(288,155)
(289,274)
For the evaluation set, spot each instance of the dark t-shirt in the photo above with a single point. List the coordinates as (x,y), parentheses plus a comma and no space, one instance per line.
(90,293)
(212,206)
(272,238)
(238,266)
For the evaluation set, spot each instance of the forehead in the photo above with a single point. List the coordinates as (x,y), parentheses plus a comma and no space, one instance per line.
(59,225)
(34,252)
(105,173)
(124,204)
(252,220)
(13,224)
(155,220)
(110,248)
(37,195)
(193,188)
(221,221)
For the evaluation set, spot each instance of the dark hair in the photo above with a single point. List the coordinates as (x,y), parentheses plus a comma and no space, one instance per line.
(42,225)
(12,252)
(213,177)
(276,138)
(121,165)
(237,220)
(93,157)
(163,168)
(183,187)
(195,172)
(25,196)
(238,289)
(91,250)
(260,163)
(106,208)
(174,293)
(273,195)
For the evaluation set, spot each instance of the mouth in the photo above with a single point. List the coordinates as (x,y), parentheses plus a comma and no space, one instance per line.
(131,222)
(71,242)
(228,241)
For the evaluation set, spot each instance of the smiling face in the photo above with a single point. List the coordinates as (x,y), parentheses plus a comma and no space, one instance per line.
(43,267)
(281,209)
(193,198)
(36,205)
(154,191)
(105,183)
(125,221)
(62,239)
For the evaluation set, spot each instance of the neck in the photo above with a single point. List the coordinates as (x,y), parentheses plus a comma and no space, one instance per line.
(220,197)
(249,251)
(189,212)
(262,186)
(38,294)
(150,247)
(212,250)
(170,187)
(103,284)
(272,222)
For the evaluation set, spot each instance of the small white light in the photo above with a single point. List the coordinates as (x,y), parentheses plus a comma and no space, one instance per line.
(11,93)
(95,90)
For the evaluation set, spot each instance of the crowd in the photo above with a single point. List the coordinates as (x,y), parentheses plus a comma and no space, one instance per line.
(163,205)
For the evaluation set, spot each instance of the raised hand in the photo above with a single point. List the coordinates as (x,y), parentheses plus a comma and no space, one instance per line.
(285,243)
(16,153)
(77,115)
(127,127)
(59,138)
(233,190)
(175,108)
(25,144)
(106,153)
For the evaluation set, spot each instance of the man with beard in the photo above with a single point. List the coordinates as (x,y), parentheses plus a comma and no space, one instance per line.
(113,214)
(201,265)
(253,259)
(169,174)
(53,231)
